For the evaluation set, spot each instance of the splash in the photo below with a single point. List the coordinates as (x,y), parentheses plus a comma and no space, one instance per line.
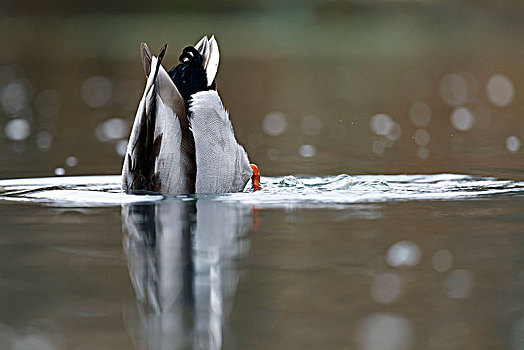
(301,190)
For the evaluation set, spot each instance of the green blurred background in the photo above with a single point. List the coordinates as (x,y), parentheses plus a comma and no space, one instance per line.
(313,87)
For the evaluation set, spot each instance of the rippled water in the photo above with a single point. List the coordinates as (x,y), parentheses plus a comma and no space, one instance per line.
(363,262)
(283,191)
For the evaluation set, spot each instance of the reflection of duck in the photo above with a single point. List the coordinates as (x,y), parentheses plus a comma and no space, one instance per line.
(181,260)
(182,140)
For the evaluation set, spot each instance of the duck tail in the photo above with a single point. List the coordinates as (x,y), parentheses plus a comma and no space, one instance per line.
(139,173)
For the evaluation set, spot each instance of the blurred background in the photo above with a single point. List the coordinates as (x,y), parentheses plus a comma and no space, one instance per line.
(313,87)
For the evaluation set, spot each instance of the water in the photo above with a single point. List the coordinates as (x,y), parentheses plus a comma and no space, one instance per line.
(363,262)
(286,191)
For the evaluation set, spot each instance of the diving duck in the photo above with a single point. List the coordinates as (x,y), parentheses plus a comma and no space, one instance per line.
(182,140)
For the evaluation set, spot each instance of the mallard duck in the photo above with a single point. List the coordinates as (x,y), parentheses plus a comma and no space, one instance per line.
(182,140)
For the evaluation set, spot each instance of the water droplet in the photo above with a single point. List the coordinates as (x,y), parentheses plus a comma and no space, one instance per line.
(500,90)
(17,129)
(512,143)
(403,253)
(274,123)
(96,91)
(462,119)
(307,151)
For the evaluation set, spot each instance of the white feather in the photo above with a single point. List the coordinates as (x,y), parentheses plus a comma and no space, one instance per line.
(212,61)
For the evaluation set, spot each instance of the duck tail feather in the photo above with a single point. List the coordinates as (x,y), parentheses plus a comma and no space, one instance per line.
(142,160)
(146,58)
(212,61)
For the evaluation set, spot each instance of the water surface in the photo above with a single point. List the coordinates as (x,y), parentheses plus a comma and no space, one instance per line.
(363,262)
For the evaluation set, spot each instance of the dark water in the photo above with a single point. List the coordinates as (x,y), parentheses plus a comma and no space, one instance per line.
(369,262)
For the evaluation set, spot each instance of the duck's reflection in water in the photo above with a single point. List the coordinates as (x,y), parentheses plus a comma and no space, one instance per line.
(181,257)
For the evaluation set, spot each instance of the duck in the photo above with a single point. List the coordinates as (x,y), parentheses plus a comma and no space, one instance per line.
(182,140)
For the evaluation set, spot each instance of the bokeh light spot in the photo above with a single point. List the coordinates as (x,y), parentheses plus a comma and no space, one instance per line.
(111,129)
(274,123)
(96,91)
(121,147)
(513,143)
(454,89)
(59,171)
(71,161)
(395,132)
(500,90)
(420,114)
(378,147)
(442,260)
(423,153)
(17,129)
(384,331)
(311,125)
(403,253)
(381,124)
(421,137)
(44,139)
(15,96)
(307,151)
(462,119)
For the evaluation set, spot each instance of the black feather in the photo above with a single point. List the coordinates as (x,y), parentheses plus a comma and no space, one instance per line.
(190,76)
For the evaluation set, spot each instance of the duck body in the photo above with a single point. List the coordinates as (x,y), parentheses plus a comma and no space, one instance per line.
(182,140)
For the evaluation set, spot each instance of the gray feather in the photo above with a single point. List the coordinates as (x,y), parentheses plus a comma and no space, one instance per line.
(160,155)
(146,58)
(222,164)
